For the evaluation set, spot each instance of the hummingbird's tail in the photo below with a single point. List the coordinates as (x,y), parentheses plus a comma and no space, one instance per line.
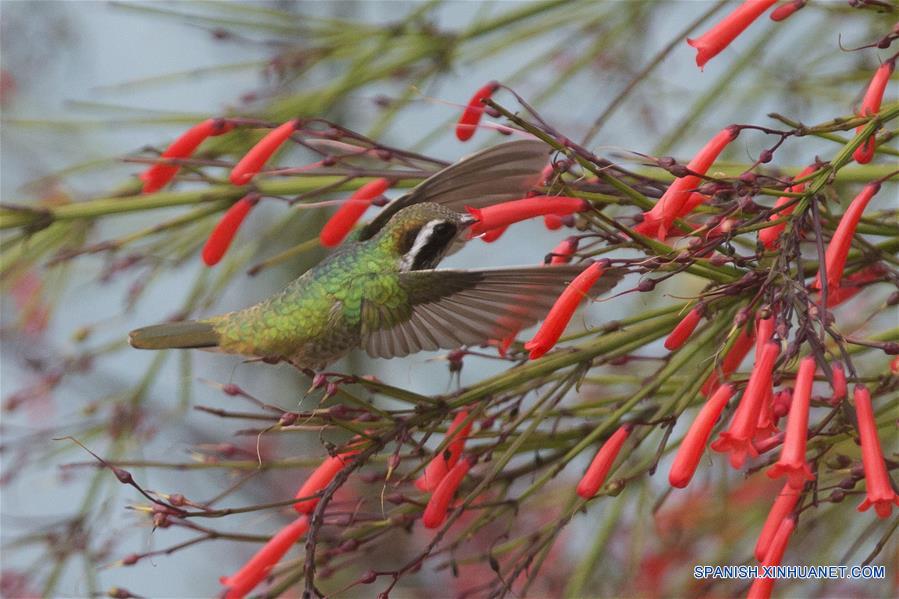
(187,334)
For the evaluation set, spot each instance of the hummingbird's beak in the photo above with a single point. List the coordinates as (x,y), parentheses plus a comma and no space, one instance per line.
(466,221)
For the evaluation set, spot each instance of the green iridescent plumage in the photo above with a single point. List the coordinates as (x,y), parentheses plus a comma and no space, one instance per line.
(380,290)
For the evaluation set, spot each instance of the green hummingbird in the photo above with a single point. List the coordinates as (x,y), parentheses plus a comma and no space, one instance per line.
(380,290)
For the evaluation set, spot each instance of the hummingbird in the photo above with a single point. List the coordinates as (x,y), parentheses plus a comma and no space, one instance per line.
(381,291)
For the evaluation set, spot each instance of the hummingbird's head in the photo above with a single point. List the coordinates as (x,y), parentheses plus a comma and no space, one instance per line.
(422,234)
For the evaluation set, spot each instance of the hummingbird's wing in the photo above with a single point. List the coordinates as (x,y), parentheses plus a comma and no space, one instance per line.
(503,172)
(451,308)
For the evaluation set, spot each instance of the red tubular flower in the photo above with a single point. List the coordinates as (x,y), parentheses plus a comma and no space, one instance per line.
(840,388)
(716,39)
(785,11)
(738,352)
(761,587)
(854,283)
(320,478)
(737,439)
(223,234)
(770,236)
(441,464)
(766,423)
(894,366)
(493,234)
(438,504)
(250,165)
(563,252)
(690,451)
(157,176)
(563,310)
(342,221)
(871,105)
(471,116)
(838,248)
(784,504)
(677,201)
(792,462)
(507,213)
(880,491)
(782,402)
(599,468)
(255,570)
(684,329)
(553,222)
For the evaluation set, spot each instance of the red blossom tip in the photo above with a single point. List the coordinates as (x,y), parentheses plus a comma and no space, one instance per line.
(562,311)
(223,234)
(785,11)
(792,463)
(602,463)
(879,488)
(158,176)
(690,451)
(258,567)
(342,221)
(473,112)
(253,161)
(684,329)
(709,44)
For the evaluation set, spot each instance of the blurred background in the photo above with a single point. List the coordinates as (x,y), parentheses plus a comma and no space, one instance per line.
(85,85)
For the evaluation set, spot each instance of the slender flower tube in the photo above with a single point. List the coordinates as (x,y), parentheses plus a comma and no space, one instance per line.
(871,105)
(690,451)
(771,235)
(253,161)
(894,366)
(438,504)
(762,586)
(840,388)
(786,10)
(493,234)
(563,252)
(320,478)
(684,329)
(223,234)
(737,439)
(854,283)
(716,39)
(562,311)
(602,463)
(792,463)
(766,423)
(677,198)
(471,116)
(738,352)
(764,330)
(157,176)
(880,491)
(342,221)
(441,464)
(784,504)
(255,570)
(838,248)
(507,213)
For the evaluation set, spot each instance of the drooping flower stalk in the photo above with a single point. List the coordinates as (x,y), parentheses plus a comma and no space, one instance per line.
(507,213)
(602,463)
(716,39)
(737,439)
(223,234)
(320,478)
(792,463)
(690,451)
(783,505)
(871,105)
(257,568)
(838,248)
(342,221)
(684,329)
(562,311)
(771,235)
(675,202)
(158,176)
(438,504)
(441,464)
(253,161)
(473,112)
(880,493)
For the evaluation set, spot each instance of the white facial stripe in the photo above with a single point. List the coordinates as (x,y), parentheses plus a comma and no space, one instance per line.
(421,240)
